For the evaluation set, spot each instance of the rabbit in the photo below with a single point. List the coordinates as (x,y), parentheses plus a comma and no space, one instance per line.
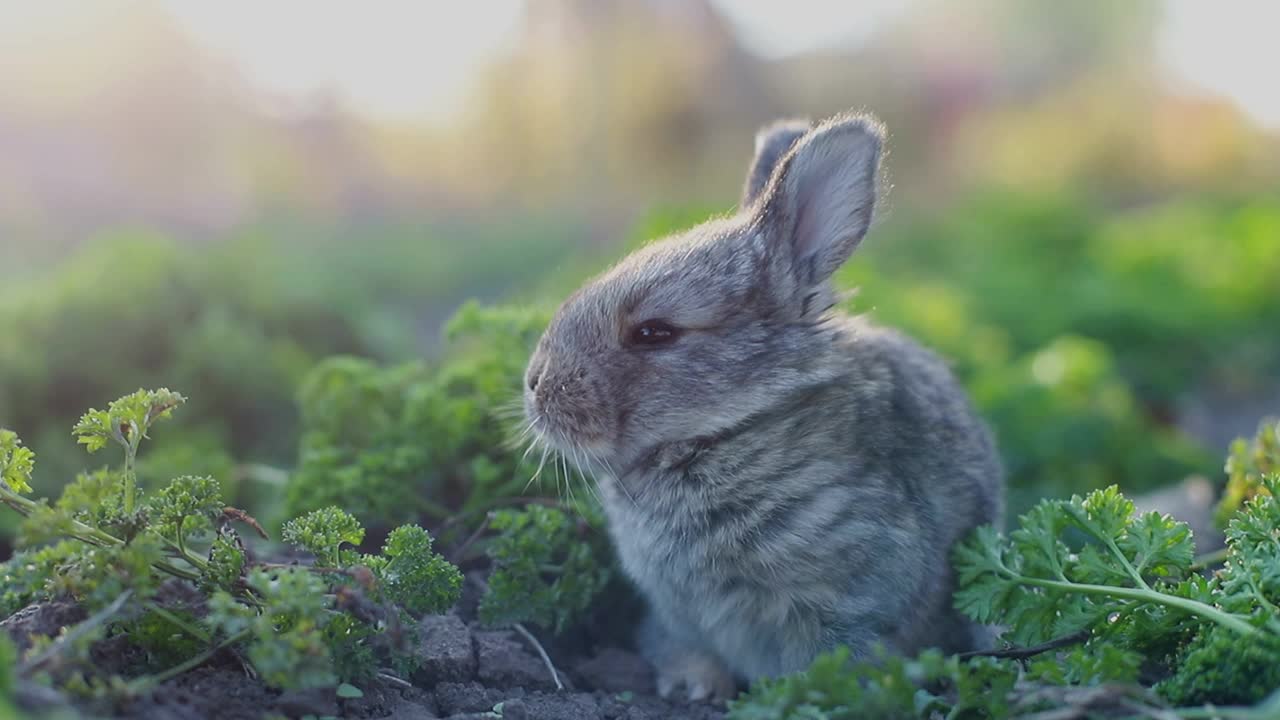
(778,477)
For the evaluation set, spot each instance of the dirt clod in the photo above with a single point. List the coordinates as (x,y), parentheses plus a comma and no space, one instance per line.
(578,706)
(47,618)
(393,703)
(461,698)
(297,703)
(446,649)
(503,662)
(613,670)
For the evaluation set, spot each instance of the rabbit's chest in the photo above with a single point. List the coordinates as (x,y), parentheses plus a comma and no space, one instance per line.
(722,560)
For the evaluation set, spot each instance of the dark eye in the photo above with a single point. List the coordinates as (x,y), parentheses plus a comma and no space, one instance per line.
(653,332)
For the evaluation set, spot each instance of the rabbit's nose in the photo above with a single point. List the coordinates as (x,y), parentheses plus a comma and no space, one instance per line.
(537,368)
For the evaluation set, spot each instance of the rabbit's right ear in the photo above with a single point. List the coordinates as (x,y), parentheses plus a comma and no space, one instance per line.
(817,206)
(772,143)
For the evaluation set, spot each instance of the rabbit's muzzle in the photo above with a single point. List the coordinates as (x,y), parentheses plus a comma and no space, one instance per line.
(562,404)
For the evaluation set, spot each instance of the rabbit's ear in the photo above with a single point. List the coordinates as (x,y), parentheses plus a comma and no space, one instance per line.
(819,202)
(772,143)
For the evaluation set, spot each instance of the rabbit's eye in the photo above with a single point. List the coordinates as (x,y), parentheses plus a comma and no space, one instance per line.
(653,332)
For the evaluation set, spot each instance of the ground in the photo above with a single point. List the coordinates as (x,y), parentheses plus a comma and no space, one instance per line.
(468,672)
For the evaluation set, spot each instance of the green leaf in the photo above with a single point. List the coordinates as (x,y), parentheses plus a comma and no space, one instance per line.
(547,568)
(1037,586)
(1160,546)
(348,691)
(286,642)
(127,420)
(323,532)
(16,462)
(183,503)
(225,565)
(415,577)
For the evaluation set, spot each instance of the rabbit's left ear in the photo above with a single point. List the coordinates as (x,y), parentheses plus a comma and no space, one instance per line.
(818,204)
(772,143)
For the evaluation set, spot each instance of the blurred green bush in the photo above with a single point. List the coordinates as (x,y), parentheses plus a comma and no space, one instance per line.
(418,439)
(240,321)
(1078,330)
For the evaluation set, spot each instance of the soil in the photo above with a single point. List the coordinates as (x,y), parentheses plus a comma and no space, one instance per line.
(468,672)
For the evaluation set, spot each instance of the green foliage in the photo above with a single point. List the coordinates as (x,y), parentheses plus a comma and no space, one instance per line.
(185,505)
(96,576)
(225,566)
(92,498)
(27,576)
(1043,586)
(414,577)
(16,462)
(299,626)
(323,532)
(1067,421)
(1090,564)
(410,573)
(8,659)
(1220,667)
(93,575)
(547,567)
(286,641)
(891,687)
(1247,463)
(163,636)
(125,421)
(392,444)
(132,309)
(1096,663)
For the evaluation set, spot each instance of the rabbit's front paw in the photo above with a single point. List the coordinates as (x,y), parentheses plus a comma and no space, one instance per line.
(700,677)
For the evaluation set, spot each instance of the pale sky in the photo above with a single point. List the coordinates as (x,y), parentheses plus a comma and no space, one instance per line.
(360,49)
(1227,47)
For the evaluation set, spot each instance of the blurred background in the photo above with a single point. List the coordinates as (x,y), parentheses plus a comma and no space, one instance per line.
(214,196)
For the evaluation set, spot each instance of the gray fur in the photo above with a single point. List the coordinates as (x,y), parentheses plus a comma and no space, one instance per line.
(783,478)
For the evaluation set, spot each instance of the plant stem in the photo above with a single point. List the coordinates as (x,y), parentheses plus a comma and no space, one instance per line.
(459,553)
(130,476)
(89,534)
(387,676)
(546,659)
(1189,606)
(194,560)
(1017,653)
(149,681)
(181,624)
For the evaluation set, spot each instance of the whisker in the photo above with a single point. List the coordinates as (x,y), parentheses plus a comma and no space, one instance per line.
(538,473)
(568,482)
(514,442)
(532,444)
(592,483)
(617,480)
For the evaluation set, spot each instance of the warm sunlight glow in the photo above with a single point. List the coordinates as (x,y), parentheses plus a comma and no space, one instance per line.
(1229,48)
(413,59)
(395,58)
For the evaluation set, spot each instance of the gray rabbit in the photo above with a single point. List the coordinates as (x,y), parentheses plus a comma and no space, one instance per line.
(779,478)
